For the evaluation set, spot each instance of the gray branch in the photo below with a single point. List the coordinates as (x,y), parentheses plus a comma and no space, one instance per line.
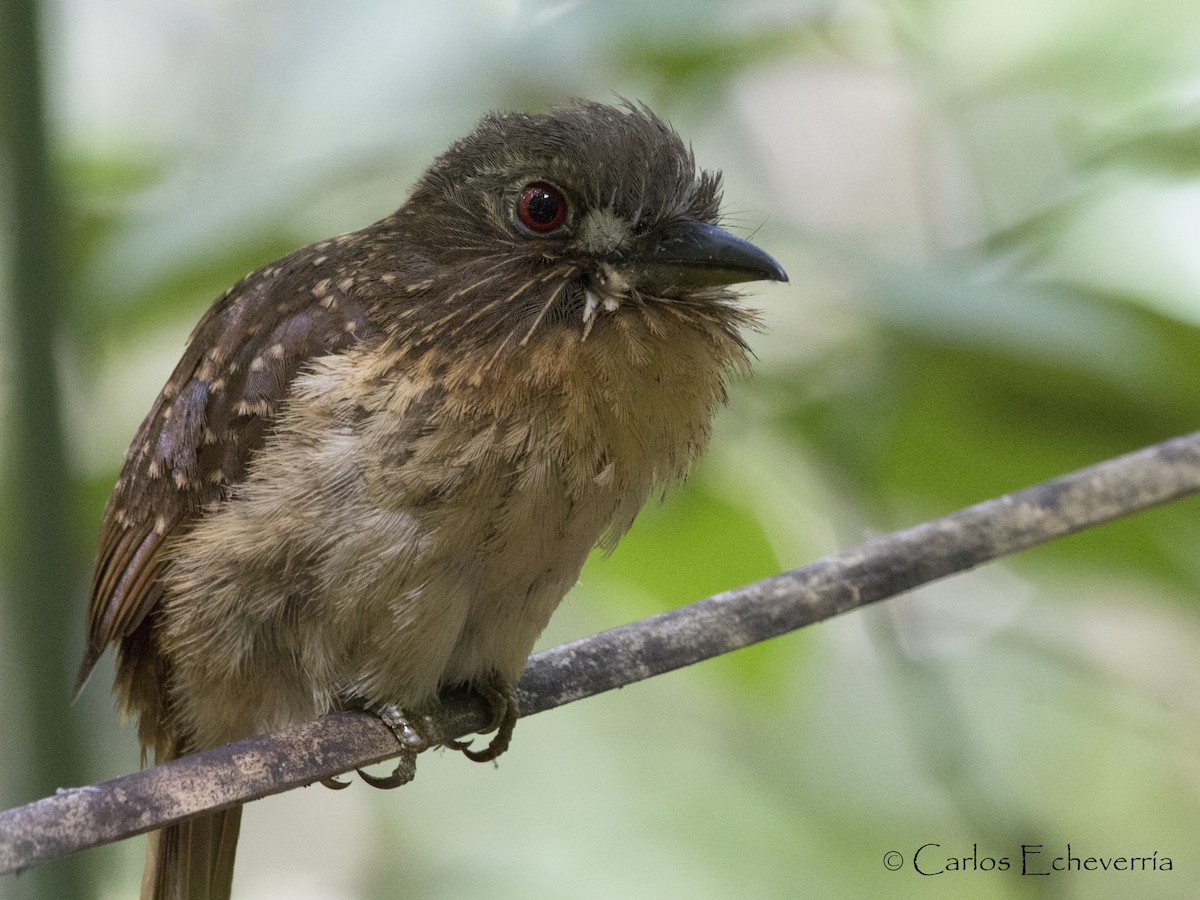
(80,818)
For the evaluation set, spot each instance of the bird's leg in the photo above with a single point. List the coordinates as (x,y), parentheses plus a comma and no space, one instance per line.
(413,740)
(502,699)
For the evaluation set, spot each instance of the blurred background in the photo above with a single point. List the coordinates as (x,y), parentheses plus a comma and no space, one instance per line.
(990,213)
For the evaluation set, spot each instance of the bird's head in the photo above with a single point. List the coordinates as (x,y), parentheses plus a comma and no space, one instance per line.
(533,222)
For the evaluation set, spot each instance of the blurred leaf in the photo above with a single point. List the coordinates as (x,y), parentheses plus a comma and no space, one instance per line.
(1168,148)
(723,544)
(699,59)
(979,388)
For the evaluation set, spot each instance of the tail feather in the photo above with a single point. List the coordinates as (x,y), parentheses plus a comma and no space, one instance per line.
(192,859)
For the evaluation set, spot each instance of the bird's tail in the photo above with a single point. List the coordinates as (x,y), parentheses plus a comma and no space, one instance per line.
(192,859)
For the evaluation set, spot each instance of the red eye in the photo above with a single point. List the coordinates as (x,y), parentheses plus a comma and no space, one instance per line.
(542,207)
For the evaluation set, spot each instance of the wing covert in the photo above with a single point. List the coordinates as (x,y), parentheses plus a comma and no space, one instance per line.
(214,413)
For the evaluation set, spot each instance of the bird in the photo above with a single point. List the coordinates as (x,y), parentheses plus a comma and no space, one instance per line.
(383,459)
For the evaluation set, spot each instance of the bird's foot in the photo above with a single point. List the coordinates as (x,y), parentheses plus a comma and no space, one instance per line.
(413,740)
(502,700)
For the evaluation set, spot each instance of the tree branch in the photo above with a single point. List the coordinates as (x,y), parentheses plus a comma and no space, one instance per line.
(85,817)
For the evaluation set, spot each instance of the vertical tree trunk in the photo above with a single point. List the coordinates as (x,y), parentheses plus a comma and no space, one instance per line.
(38,603)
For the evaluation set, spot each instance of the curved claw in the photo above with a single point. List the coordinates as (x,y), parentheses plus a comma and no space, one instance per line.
(402,775)
(334,784)
(500,697)
(497,746)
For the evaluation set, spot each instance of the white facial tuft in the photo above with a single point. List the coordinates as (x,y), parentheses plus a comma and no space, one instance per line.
(606,292)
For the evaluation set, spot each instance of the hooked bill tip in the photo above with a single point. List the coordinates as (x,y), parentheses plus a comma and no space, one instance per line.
(697,254)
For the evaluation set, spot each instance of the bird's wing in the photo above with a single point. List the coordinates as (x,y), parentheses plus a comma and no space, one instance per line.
(214,413)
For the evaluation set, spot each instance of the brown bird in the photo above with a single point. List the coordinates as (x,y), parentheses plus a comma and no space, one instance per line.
(383,459)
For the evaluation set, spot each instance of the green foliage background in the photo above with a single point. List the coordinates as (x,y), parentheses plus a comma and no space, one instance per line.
(991,216)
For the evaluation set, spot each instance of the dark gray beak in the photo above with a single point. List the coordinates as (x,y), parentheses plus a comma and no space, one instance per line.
(695,254)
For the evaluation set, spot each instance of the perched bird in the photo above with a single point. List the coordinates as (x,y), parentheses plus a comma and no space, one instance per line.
(382,460)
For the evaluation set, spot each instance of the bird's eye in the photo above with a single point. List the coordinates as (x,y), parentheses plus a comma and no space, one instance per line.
(542,207)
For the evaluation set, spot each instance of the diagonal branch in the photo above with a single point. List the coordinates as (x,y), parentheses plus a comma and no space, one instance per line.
(80,818)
